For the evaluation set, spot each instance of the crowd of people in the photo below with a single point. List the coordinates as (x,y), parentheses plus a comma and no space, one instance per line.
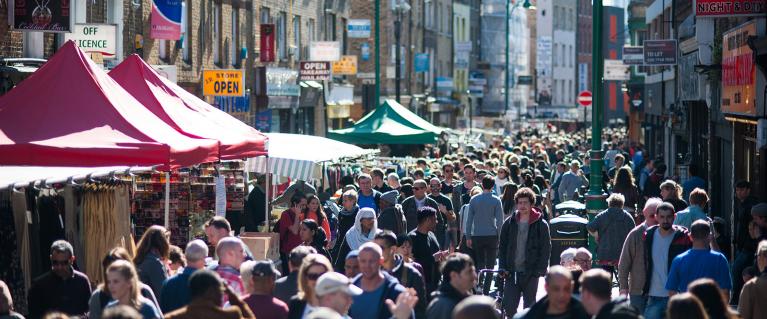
(413,247)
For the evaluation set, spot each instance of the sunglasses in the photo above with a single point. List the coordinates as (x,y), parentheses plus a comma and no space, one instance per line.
(314,276)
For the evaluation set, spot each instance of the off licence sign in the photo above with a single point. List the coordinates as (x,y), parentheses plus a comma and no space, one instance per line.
(223,82)
(314,71)
(660,52)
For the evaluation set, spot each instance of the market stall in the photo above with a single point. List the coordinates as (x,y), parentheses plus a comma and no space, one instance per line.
(389,123)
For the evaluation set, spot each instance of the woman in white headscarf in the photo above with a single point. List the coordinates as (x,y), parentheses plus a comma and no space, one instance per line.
(364,230)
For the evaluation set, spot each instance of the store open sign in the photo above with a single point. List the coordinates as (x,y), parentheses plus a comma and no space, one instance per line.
(223,82)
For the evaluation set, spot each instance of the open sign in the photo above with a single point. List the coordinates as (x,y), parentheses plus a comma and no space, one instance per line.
(223,82)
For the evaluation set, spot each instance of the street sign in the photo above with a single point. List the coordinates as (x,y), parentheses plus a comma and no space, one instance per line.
(358,28)
(615,70)
(660,52)
(314,71)
(223,82)
(584,98)
(525,80)
(633,55)
(729,8)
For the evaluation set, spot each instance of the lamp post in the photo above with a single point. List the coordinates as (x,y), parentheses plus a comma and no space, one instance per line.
(399,8)
(378,51)
(595,199)
(510,11)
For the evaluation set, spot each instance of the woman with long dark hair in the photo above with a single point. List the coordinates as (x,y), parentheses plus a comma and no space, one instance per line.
(624,185)
(508,198)
(314,236)
(314,211)
(713,300)
(152,252)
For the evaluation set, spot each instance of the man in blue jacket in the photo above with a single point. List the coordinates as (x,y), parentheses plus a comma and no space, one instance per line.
(377,286)
(174,293)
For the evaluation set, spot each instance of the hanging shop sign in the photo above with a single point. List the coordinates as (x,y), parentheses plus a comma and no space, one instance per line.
(233,104)
(358,28)
(525,80)
(463,46)
(738,71)
(282,82)
(730,8)
(633,55)
(660,52)
(543,56)
(166,20)
(615,70)
(42,15)
(325,51)
(365,51)
(444,84)
(223,82)
(263,121)
(95,38)
(421,62)
(314,71)
(346,66)
(266,50)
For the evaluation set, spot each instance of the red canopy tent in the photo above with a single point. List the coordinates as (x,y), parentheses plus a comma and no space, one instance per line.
(148,87)
(71,113)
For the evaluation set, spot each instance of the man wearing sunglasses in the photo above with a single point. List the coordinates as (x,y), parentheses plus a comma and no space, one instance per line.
(412,204)
(445,209)
(62,289)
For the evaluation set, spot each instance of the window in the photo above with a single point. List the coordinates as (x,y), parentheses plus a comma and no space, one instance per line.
(311,30)
(556,57)
(297,37)
(216,33)
(185,31)
(282,35)
(265,15)
(330,27)
(162,47)
(235,43)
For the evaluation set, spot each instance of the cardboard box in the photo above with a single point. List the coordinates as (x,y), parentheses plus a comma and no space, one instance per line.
(263,245)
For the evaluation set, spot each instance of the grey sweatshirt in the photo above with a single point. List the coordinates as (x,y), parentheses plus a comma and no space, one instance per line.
(485,215)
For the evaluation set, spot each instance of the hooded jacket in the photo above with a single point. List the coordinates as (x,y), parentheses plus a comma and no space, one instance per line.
(353,237)
(392,218)
(346,219)
(538,310)
(537,250)
(679,244)
(443,301)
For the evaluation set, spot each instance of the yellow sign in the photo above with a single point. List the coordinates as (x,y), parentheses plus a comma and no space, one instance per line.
(223,83)
(346,66)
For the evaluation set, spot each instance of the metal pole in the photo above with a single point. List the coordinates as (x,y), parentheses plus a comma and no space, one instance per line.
(167,199)
(471,116)
(595,199)
(397,57)
(378,51)
(506,66)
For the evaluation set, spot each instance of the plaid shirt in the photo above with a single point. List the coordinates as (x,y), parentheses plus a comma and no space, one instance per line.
(232,279)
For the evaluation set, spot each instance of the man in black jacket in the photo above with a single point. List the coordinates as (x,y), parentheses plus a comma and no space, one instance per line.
(596,287)
(458,278)
(407,275)
(412,204)
(346,220)
(559,301)
(524,250)
(745,246)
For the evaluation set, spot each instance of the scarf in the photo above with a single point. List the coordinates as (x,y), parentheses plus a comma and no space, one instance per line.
(354,237)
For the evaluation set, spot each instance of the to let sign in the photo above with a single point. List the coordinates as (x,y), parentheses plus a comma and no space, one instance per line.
(730,8)
(660,52)
(223,82)
(633,55)
(738,71)
(95,38)
(314,71)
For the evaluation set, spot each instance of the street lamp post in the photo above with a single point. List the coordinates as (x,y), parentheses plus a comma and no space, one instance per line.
(399,8)
(595,199)
(510,11)
(378,51)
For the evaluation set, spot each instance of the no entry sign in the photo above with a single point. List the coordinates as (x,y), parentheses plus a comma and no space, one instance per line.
(584,98)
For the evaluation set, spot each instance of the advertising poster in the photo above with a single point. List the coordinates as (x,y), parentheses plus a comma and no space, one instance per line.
(267,43)
(42,15)
(738,71)
(166,20)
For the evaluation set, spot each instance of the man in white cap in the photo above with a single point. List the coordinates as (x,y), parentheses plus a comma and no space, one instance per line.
(335,291)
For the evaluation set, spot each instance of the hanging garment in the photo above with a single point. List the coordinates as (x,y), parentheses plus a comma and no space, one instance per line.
(106,224)
(19,205)
(50,213)
(10,260)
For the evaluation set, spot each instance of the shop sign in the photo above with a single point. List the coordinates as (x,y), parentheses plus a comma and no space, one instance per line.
(463,46)
(44,16)
(166,19)
(341,111)
(358,28)
(325,51)
(525,80)
(283,102)
(421,62)
(223,82)
(444,84)
(233,104)
(633,55)
(95,38)
(583,75)
(615,70)
(282,82)
(730,8)
(314,71)
(170,72)
(365,51)
(461,60)
(738,71)
(263,121)
(346,66)
(660,52)
(266,50)
(366,75)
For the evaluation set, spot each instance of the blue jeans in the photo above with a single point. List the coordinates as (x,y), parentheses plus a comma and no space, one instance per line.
(656,307)
(639,302)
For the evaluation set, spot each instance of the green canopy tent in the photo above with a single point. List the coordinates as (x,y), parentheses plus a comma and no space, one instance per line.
(390,123)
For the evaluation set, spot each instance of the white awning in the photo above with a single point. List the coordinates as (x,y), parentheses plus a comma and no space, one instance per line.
(23,175)
(300,156)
